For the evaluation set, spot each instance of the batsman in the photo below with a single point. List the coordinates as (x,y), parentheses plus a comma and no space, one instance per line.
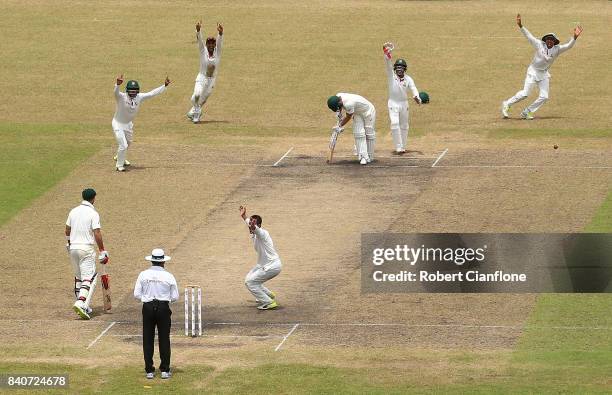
(363,114)
(82,235)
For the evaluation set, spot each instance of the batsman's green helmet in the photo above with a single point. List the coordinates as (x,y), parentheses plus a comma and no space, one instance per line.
(400,63)
(424,97)
(132,86)
(333,103)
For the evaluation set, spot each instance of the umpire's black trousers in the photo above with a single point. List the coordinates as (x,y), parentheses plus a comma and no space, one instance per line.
(156,313)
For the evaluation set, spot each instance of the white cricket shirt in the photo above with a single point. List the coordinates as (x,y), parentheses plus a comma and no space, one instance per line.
(544,57)
(209,65)
(156,283)
(398,88)
(83,219)
(127,108)
(355,104)
(262,242)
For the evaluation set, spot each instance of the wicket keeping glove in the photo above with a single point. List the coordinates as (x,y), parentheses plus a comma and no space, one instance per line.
(103,257)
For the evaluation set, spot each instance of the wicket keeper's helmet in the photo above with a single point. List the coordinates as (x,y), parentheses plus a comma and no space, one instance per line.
(424,96)
(132,88)
(400,63)
(333,103)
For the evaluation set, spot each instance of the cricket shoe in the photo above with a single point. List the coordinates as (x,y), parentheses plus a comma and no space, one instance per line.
(363,161)
(150,376)
(80,309)
(504,109)
(190,115)
(268,306)
(121,168)
(527,115)
(272,296)
(125,162)
(196,117)
(166,375)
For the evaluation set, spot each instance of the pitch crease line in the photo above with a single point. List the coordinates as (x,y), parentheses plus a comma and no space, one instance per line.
(286,337)
(283,157)
(101,334)
(440,157)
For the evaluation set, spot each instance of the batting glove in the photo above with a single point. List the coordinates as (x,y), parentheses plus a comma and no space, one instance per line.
(337,129)
(103,257)
(68,247)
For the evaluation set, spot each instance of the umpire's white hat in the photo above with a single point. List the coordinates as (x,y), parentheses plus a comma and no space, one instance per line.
(157,255)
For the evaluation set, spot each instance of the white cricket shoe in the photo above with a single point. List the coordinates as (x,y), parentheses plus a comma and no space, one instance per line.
(527,115)
(363,161)
(120,168)
(166,375)
(150,376)
(369,160)
(196,117)
(504,109)
(80,309)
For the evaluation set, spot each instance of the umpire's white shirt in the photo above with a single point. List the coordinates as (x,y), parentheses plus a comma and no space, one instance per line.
(156,283)
(82,220)
(262,242)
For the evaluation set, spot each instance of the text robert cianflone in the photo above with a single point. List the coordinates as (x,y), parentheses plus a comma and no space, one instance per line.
(438,276)
(412,256)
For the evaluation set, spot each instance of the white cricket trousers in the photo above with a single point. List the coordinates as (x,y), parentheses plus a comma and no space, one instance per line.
(364,132)
(124,134)
(530,83)
(398,115)
(258,275)
(201,91)
(83,260)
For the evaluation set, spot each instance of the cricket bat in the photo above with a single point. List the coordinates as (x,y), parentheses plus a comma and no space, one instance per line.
(334,139)
(106,292)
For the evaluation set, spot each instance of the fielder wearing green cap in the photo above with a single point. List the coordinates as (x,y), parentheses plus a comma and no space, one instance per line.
(400,86)
(127,106)
(546,51)
(363,114)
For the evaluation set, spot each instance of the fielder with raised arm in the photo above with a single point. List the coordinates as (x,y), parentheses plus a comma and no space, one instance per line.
(399,84)
(82,234)
(210,57)
(363,114)
(127,107)
(546,51)
(268,262)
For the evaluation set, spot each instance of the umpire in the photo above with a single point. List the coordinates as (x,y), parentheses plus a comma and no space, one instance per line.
(156,288)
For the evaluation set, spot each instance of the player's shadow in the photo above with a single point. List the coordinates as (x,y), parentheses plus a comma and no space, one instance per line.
(213,121)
